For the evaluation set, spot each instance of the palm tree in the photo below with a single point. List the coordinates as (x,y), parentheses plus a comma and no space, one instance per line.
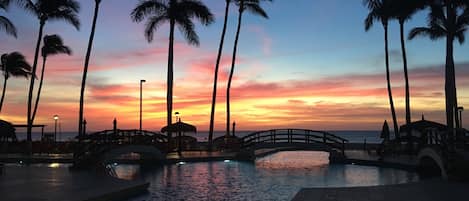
(48,10)
(5,23)
(178,13)
(53,45)
(452,26)
(85,68)
(253,6)
(217,65)
(381,10)
(13,64)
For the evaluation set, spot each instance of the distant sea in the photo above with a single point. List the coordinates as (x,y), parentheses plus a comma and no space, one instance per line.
(352,136)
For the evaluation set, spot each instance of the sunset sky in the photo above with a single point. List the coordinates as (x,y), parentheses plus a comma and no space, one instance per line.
(311,65)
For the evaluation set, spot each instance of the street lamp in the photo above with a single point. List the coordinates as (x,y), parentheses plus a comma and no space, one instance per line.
(177,116)
(460,109)
(141,82)
(56,117)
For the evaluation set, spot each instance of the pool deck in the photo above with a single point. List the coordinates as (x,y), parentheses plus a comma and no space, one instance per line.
(19,183)
(429,190)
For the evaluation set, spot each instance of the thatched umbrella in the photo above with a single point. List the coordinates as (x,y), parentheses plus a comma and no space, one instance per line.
(179,127)
(7,130)
(385,132)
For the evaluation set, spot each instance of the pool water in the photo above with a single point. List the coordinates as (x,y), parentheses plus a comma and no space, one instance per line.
(276,177)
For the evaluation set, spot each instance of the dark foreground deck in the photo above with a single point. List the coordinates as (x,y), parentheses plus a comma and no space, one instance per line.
(50,184)
(430,190)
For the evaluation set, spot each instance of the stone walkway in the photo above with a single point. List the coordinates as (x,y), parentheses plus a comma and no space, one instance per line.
(21,183)
(434,190)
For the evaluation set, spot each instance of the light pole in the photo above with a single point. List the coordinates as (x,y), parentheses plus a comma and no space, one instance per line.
(141,82)
(460,109)
(177,116)
(56,117)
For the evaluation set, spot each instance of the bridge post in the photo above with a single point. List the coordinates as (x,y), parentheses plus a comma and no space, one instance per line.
(343,147)
(324,138)
(289,135)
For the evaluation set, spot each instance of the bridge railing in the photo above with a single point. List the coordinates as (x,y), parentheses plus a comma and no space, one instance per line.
(294,136)
(130,136)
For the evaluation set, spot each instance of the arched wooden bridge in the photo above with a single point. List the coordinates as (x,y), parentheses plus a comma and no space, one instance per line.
(98,147)
(291,139)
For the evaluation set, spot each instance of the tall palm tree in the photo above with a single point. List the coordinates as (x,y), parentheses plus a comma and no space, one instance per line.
(403,10)
(217,65)
(254,7)
(53,44)
(85,68)
(178,13)
(381,10)
(48,10)
(5,24)
(450,25)
(13,64)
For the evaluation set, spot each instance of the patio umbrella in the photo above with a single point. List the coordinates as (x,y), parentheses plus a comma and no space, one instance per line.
(179,127)
(385,131)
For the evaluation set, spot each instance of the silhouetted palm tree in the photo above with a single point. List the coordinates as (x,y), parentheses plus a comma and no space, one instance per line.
(53,45)
(5,24)
(177,13)
(85,68)
(403,11)
(381,10)
(450,25)
(48,10)
(217,65)
(253,6)
(13,64)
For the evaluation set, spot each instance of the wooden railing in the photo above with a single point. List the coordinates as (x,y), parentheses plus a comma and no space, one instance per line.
(125,137)
(294,136)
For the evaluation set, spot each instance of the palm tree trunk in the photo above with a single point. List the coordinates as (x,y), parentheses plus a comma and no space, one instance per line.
(217,65)
(406,75)
(233,62)
(407,88)
(31,86)
(3,93)
(388,79)
(85,69)
(449,77)
(169,90)
(40,87)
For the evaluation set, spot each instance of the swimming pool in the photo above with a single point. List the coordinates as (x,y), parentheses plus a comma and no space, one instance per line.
(276,177)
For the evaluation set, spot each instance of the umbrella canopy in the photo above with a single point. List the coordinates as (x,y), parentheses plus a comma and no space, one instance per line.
(7,129)
(385,131)
(179,127)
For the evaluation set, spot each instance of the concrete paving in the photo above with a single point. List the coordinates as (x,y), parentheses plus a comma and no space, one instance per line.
(38,183)
(433,190)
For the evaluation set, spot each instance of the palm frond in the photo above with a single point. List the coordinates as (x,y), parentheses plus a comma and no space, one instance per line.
(256,9)
(432,33)
(15,64)
(67,16)
(187,27)
(7,26)
(53,44)
(196,9)
(147,8)
(152,26)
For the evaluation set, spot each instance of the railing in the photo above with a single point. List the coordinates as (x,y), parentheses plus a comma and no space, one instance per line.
(294,136)
(125,137)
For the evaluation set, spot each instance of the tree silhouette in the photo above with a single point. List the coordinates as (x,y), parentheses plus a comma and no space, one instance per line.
(450,25)
(178,13)
(253,6)
(48,10)
(5,24)
(85,68)
(381,10)
(53,45)
(13,64)
(215,79)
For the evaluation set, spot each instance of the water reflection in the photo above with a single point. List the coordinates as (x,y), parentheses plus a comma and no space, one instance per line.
(263,180)
(294,160)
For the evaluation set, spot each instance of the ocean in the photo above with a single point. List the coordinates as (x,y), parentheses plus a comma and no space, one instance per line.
(352,136)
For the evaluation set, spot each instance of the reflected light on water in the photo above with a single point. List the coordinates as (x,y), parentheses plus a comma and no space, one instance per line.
(54,165)
(294,160)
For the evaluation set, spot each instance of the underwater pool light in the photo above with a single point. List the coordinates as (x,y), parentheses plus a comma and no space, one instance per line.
(227,161)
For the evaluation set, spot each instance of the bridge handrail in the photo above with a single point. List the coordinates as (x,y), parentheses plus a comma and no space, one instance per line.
(305,135)
(126,133)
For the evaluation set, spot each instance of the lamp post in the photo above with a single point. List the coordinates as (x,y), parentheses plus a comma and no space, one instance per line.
(56,118)
(141,82)
(177,116)
(460,109)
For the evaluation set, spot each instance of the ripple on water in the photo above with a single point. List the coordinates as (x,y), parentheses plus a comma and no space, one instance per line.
(276,177)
